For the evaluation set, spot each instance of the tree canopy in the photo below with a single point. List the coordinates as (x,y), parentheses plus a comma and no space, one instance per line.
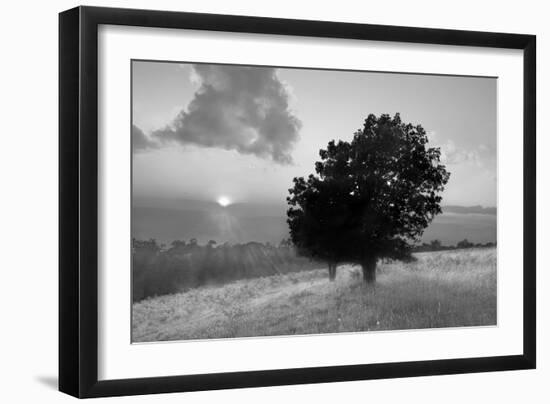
(369,198)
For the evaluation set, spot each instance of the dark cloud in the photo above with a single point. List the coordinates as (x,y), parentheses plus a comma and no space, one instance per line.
(140,141)
(237,108)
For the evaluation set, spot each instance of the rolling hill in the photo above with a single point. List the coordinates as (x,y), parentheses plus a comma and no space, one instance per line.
(440,289)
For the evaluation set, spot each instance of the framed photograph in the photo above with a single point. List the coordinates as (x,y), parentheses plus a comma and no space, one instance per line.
(251,201)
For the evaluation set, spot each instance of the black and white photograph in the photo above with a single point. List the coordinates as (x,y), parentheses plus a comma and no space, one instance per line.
(273,202)
(283,201)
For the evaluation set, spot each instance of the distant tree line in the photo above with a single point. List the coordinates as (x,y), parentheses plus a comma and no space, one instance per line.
(159,270)
(436,245)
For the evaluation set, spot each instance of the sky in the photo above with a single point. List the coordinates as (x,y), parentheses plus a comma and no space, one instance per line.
(241,133)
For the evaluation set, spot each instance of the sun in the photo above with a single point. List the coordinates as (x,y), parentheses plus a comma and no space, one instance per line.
(224,201)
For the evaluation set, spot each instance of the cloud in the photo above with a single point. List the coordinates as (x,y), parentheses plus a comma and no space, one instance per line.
(140,141)
(239,108)
(451,154)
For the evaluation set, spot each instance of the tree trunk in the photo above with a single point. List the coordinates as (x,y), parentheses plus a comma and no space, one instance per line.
(331,271)
(369,270)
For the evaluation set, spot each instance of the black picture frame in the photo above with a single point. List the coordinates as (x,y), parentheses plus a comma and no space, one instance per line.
(78,201)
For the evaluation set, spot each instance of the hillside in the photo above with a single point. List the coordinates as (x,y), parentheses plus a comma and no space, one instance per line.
(441,289)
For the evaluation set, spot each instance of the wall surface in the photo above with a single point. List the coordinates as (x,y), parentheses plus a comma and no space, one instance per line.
(28,206)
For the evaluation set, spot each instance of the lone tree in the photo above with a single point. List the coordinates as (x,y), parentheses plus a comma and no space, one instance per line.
(370,198)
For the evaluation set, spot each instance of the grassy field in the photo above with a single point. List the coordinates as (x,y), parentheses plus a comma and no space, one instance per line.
(441,289)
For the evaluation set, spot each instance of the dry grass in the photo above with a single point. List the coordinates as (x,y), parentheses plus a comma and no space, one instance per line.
(440,289)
